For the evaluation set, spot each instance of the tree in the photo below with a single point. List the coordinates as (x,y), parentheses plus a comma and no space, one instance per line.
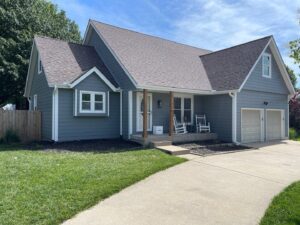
(20,20)
(292,75)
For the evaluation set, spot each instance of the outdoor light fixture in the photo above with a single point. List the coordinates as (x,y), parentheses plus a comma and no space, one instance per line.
(159,104)
(266,103)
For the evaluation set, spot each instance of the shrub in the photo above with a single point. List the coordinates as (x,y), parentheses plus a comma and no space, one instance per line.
(10,137)
(293,133)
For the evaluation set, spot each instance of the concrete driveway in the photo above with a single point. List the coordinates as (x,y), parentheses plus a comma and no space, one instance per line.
(224,189)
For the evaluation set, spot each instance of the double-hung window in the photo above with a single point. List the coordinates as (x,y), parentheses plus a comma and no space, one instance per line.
(92,102)
(183,109)
(266,65)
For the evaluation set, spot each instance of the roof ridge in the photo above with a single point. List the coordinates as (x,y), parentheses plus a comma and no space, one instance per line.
(59,40)
(149,35)
(235,46)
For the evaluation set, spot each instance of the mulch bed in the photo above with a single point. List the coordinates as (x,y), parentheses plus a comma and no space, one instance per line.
(103,145)
(212,148)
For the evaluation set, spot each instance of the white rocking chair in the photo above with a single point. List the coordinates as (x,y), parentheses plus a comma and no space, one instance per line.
(179,128)
(201,124)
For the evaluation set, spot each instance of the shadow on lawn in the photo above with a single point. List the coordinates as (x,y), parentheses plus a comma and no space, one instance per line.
(94,146)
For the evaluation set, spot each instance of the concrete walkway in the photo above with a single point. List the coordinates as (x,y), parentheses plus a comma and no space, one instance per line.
(222,189)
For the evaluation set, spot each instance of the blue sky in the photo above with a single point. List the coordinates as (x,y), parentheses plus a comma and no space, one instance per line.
(210,24)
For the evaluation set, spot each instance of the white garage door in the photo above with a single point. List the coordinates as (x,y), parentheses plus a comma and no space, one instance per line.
(274,124)
(251,125)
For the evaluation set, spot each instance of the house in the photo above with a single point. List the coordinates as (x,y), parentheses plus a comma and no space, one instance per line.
(96,89)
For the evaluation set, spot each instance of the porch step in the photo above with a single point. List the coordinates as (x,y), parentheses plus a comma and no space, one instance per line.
(161,143)
(174,150)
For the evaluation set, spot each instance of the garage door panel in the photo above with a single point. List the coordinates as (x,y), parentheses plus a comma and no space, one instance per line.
(274,125)
(251,126)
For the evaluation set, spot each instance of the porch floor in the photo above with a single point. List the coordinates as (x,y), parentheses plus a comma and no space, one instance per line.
(176,138)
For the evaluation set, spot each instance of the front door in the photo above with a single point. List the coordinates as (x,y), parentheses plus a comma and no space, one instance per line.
(140,111)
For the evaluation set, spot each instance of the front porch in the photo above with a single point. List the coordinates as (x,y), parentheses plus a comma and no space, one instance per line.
(156,109)
(174,139)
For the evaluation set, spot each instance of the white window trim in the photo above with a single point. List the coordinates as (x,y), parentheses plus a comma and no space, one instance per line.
(262,61)
(35,102)
(40,69)
(92,100)
(183,96)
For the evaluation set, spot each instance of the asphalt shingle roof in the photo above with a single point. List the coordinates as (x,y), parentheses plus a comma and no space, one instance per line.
(155,61)
(151,61)
(227,69)
(63,62)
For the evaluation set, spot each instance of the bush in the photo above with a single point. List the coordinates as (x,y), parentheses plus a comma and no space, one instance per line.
(10,137)
(293,133)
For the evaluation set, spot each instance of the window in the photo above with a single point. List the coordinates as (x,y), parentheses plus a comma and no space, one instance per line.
(92,102)
(40,67)
(266,65)
(183,109)
(35,102)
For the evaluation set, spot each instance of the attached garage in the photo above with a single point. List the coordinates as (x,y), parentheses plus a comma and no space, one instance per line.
(252,125)
(275,124)
(260,125)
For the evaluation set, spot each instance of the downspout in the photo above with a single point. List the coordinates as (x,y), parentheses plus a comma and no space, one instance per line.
(233,95)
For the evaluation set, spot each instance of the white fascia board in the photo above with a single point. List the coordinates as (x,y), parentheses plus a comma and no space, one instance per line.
(102,77)
(251,70)
(182,90)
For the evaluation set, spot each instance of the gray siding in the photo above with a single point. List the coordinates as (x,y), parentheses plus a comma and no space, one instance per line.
(218,111)
(255,99)
(44,99)
(84,127)
(257,82)
(110,61)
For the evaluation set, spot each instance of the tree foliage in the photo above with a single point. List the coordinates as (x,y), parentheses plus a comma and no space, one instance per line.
(295,111)
(295,51)
(292,75)
(20,20)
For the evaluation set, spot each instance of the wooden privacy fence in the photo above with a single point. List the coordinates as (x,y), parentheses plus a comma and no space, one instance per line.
(26,124)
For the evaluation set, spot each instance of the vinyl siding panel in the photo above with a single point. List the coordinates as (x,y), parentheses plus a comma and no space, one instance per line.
(218,111)
(44,99)
(257,82)
(83,127)
(256,99)
(110,61)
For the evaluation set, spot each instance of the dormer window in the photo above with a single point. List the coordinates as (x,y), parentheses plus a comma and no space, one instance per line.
(266,65)
(40,67)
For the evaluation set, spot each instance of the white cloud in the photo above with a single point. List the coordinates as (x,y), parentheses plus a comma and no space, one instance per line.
(218,24)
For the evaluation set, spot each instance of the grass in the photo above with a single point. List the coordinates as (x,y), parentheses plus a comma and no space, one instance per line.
(285,208)
(48,187)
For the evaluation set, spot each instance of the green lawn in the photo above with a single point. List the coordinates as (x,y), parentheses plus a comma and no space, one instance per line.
(38,187)
(285,208)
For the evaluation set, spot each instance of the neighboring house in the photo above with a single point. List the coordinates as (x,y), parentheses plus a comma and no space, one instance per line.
(95,89)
